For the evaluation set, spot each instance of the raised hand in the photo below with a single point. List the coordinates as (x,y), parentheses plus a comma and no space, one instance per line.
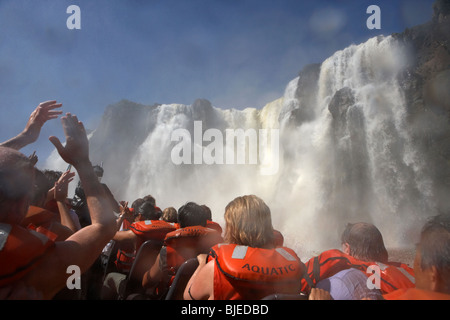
(62,185)
(44,111)
(76,150)
(124,210)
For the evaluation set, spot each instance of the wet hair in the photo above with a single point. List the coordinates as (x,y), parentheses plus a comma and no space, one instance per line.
(248,222)
(150,198)
(52,175)
(365,242)
(170,214)
(148,211)
(207,212)
(191,214)
(16,176)
(435,246)
(136,203)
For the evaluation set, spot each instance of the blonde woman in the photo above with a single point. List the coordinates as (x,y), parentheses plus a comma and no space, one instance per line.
(248,265)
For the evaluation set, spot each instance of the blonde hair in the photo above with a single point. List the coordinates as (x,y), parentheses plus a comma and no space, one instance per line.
(248,222)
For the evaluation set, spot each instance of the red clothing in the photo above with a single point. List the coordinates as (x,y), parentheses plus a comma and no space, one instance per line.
(125,258)
(151,230)
(186,243)
(21,250)
(393,275)
(214,225)
(39,217)
(246,273)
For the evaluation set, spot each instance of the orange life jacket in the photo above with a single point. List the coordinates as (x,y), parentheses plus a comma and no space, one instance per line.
(243,272)
(186,243)
(176,225)
(214,225)
(145,230)
(49,220)
(39,217)
(151,230)
(21,250)
(393,275)
(125,258)
(52,206)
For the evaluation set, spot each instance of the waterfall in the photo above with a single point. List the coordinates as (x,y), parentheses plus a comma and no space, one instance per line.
(355,160)
(345,152)
(213,184)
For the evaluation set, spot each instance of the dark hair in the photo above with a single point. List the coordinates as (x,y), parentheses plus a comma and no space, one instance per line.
(365,242)
(148,212)
(150,198)
(52,175)
(15,176)
(207,212)
(40,188)
(435,246)
(98,171)
(191,214)
(136,204)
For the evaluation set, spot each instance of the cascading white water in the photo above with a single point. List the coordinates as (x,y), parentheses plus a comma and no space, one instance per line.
(362,166)
(211,184)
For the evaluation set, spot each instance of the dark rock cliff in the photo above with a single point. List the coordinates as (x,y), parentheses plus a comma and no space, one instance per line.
(426,83)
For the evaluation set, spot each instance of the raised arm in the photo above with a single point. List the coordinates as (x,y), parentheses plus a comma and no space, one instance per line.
(60,195)
(124,214)
(83,247)
(76,153)
(44,111)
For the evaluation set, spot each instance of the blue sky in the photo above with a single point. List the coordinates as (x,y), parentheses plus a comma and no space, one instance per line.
(235,53)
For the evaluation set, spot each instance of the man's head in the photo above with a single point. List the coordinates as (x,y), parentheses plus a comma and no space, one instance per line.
(191,214)
(16,185)
(432,261)
(136,204)
(147,211)
(207,212)
(364,242)
(98,171)
(150,198)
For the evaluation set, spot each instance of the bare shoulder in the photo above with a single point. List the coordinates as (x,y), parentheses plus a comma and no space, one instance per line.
(201,284)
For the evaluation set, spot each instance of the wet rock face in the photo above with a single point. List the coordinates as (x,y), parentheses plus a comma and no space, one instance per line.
(429,61)
(441,10)
(306,97)
(341,101)
(201,109)
(307,90)
(426,82)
